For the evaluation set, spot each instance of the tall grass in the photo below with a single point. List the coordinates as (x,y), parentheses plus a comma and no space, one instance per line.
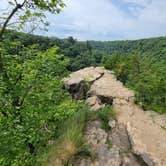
(70,142)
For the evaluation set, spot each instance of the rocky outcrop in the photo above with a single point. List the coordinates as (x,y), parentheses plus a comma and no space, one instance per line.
(136,137)
(78,83)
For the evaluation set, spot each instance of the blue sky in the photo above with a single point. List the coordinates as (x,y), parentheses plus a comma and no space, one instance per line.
(109,19)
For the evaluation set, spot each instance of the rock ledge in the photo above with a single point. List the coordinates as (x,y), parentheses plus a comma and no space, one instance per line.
(134,132)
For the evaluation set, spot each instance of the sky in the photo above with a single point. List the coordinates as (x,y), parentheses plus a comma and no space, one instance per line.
(108,20)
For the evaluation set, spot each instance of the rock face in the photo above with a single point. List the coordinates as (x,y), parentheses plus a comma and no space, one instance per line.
(97,139)
(136,138)
(78,83)
(148,139)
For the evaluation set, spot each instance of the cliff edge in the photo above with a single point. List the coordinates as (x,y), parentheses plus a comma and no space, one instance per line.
(137,137)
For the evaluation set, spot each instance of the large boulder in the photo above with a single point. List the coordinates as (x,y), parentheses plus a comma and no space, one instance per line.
(119,138)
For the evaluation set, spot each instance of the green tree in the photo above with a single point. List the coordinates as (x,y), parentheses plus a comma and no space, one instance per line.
(31,11)
(32,104)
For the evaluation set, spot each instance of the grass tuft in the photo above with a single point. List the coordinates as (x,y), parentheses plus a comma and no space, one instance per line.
(70,142)
(104,115)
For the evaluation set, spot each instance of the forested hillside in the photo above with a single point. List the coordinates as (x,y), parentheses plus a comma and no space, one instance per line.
(151,47)
(140,64)
(80,53)
(34,104)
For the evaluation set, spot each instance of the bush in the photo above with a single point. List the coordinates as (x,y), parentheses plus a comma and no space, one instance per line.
(33,104)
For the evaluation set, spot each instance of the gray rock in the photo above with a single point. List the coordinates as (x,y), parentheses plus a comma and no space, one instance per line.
(94,103)
(119,138)
(128,159)
(109,88)
(158,119)
(95,136)
(97,139)
(78,83)
(112,123)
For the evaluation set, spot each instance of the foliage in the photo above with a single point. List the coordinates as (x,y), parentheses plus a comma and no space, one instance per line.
(80,53)
(70,141)
(26,13)
(105,114)
(33,103)
(144,74)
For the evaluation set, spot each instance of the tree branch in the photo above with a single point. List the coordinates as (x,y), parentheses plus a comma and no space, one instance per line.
(16,2)
(18,6)
(2,30)
(7,20)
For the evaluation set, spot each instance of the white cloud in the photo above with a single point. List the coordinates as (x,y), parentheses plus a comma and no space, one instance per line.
(93,19)
(109,19)
(104,20)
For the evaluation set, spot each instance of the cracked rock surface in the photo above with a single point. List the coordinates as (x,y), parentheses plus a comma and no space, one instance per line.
(137,138)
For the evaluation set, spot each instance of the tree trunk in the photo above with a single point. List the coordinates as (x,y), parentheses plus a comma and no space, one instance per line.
(18,6)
